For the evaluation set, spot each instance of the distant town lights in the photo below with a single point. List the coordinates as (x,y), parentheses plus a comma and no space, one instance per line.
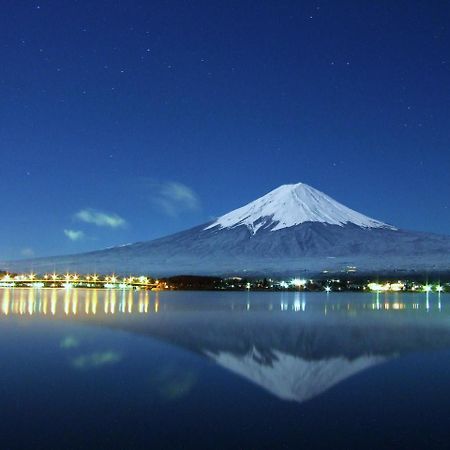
(299,282)
(375,287)
(392,287)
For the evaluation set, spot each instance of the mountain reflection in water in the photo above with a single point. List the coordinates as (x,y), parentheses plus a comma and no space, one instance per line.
(293,345)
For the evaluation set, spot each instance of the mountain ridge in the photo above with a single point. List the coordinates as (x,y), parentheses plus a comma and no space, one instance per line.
(270,236)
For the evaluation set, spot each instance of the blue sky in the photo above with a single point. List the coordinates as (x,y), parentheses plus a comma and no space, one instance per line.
(128,120)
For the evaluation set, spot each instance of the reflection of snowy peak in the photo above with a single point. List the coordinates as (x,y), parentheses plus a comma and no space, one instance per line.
(290,205)
(293,356)
(292,378)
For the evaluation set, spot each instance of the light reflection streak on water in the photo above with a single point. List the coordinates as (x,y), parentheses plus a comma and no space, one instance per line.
(21,305)
(5,302)
(31,301)
(67,301)
(45,302)
(113,302)
(87,302)
(130,302)
(122,302)
(74,301)
(53,301)
(106,307)
(94,302)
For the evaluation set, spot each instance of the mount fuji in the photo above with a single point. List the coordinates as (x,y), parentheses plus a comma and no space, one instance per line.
(294,228)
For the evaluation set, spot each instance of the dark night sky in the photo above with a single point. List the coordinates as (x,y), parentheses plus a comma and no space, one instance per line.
(127,120)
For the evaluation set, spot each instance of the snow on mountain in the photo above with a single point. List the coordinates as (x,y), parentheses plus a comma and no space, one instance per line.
(293,378)
(294,204)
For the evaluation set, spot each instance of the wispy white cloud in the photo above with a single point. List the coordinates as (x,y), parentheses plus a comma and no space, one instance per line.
(69,342)
(100,218)
(27,252)
(96,360)
(173,197)
(74,235)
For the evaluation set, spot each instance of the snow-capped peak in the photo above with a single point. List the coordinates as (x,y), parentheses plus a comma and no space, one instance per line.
(294,204)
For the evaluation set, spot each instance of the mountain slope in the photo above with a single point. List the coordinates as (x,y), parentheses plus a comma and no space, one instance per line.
(293,228)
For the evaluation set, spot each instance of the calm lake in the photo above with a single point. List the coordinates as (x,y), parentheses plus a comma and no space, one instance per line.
(105,369)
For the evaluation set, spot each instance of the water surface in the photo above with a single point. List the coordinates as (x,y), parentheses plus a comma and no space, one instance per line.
(124,369)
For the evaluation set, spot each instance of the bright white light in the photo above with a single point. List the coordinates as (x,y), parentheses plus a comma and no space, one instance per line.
(297,282)
(427,288)
(375,287)
(439,288)
(327,289)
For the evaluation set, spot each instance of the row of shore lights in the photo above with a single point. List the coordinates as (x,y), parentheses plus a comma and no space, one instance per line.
(397,287)
(74,278)
(394,287)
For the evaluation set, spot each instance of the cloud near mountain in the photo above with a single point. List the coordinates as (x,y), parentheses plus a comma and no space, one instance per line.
(100,218)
